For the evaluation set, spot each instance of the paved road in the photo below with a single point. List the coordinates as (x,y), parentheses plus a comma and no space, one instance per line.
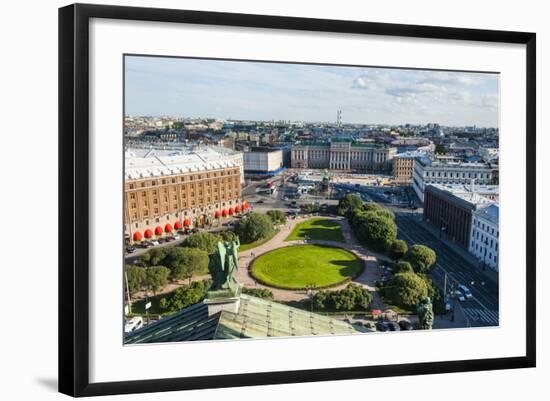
(483,308)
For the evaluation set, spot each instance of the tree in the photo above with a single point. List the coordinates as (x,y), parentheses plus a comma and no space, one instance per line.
(184,263)
(376,231)
(398,249)
(136,278)
(421,258)
(379,210)
(227,235)
(353,297)
(156,277)
(253,227)
(263,293)
(348,204)
(403,267)
(154,257)
(406,289)
(204,241)
(185,296)
(277,216)
(440,149)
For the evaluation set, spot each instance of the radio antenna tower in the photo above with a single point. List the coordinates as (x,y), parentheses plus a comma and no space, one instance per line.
(339,118)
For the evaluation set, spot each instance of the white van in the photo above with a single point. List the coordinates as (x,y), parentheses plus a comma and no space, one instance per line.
(133,324)
(465,291)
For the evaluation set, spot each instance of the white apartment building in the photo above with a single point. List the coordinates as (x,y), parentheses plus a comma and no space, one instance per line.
(484,235)
(427,171)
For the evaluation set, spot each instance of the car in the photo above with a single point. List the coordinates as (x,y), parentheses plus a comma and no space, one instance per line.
(147,244)
(260,201)
(381,326)
(161,240)
(175,237)
(466,291)
(133,324)
(195,230)
(155,242)
(168,239)
(405,325)
(448,306)
(393,326)
(459,296)
(181,232)
(130,249)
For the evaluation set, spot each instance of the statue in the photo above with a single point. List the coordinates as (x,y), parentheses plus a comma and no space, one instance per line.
(424,310)
(223,266)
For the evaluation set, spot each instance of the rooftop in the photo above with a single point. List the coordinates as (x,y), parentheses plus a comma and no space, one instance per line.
(255,318)
(143,162)
(465,193)
(489,213)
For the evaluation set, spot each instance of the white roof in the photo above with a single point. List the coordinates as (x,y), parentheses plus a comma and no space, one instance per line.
(156,162)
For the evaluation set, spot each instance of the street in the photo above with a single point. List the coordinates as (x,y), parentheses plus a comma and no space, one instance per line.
(483,308)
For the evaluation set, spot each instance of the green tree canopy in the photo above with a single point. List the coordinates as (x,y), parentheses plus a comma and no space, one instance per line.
(403,267)
(353,297)
(136,278)
(227,235)
(376,231)
(348,204)
(203,240)
(253,227)
(379,210)
(398,249)
(185,296)
(156,278)
(184,263)
(421,258)
(277,216)
(406,289)
(154,257)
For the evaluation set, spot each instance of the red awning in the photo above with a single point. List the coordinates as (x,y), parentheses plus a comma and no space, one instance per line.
(218,214)
(148,233)
(158,230)
(376,312)
(177,225)
(245,205)
(224,212)
(238,209)
(187,223)
(137,236)
(231,211)
(168,228)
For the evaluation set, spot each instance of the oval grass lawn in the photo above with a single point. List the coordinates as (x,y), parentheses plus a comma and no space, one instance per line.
(296,267)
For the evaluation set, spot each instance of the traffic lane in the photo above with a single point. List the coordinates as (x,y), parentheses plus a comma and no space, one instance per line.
(461,269)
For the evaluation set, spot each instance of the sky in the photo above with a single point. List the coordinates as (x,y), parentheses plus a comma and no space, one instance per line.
(242,90)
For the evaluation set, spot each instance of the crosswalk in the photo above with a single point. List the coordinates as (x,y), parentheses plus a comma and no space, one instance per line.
(486,316)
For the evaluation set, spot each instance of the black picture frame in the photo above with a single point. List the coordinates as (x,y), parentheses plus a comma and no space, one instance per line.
(74,198)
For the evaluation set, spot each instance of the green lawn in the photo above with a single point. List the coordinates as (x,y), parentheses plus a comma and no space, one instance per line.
(296,267)
(317,228)
(246,247)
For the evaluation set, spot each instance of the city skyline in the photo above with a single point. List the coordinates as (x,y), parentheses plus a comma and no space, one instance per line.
(264,91)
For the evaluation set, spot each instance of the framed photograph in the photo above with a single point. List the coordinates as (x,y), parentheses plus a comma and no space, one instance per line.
(251,199)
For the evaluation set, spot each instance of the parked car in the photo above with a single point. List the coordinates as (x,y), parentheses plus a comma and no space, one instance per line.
(155,242)
(181,232)
(161,240)
(405,325)
(448,306)
(393,326)
(175,237)
(260,201)
(381,326)
(466,291)
(147,244)
(168,239)
(130,249)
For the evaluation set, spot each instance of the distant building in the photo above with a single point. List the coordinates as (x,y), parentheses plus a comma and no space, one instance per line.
(170,188)
(449,208)
(263,160)
(403,166)
(484,235)
(343,155)
(427,172)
